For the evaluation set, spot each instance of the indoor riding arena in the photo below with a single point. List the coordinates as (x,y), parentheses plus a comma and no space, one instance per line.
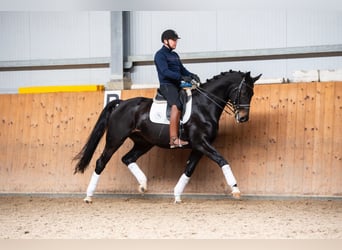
(59,69)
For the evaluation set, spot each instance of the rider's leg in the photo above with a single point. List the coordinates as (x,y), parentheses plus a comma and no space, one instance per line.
(175,141)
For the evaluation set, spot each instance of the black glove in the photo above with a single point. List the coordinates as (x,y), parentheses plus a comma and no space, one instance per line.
(196,78)
(186,78)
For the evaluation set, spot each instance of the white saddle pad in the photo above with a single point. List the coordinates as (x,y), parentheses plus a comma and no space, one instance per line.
(158,111)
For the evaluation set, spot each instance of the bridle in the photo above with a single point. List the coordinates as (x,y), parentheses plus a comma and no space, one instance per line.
(236,103)
(233,105)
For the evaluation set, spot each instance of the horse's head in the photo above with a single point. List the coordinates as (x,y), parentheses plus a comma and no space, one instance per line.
(242,96)
(234,89)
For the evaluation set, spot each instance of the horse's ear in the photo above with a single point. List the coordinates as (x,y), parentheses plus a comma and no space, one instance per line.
(248,74)
(257,78)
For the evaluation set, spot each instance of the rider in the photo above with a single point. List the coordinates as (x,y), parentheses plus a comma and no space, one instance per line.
(170,73)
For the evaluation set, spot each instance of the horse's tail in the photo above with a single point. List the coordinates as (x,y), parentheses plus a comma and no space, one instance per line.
(99,129)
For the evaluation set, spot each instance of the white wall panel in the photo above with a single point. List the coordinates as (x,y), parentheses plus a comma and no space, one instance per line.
(99,34)
(53,35)
(56,35)
(211,31)
(14,36)
(327,63)
(250,29)
(141,33)
(144,75)
(235,30)
(313,28)
(59,35)
(11,81)
(69,77)
(196,29)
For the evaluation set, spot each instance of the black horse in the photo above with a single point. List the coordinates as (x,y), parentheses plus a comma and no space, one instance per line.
(124,119)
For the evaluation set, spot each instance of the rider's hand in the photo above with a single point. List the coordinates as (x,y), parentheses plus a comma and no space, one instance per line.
(196,78)
(186,78)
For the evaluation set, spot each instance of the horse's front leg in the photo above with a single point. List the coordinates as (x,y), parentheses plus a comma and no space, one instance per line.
(207,149)
(194,158)
(230,179)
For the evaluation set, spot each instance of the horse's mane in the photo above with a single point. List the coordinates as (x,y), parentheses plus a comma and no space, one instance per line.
(224,74)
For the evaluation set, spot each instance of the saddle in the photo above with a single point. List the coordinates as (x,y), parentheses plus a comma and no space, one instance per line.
(160,110)
(183,97)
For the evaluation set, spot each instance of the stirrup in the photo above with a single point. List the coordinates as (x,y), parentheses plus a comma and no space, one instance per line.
(177,144)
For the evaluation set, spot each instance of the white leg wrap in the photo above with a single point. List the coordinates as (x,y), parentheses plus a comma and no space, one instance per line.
(138,174)
(92,184)
(228,174)
(178,190)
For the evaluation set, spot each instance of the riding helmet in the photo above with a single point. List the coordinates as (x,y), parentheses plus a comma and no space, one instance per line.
(169,34)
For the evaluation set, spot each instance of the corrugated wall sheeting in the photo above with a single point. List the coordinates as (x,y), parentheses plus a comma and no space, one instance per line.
(53,35)
(290,146)
(44,35)
(235,30)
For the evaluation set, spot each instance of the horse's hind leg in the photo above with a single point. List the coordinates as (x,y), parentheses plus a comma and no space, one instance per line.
(139,148)
(100,165)
(194,158)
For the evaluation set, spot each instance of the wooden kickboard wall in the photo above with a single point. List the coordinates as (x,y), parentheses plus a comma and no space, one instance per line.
(292,145)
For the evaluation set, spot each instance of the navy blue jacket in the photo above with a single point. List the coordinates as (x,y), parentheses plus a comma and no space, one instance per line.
(169,67)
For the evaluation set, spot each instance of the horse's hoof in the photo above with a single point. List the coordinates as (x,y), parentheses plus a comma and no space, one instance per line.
(178,200)
(236,193)
(142,188)
(88,200)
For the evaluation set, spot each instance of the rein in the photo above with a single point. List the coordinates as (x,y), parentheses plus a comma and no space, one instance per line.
(228,104)
(231,105)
